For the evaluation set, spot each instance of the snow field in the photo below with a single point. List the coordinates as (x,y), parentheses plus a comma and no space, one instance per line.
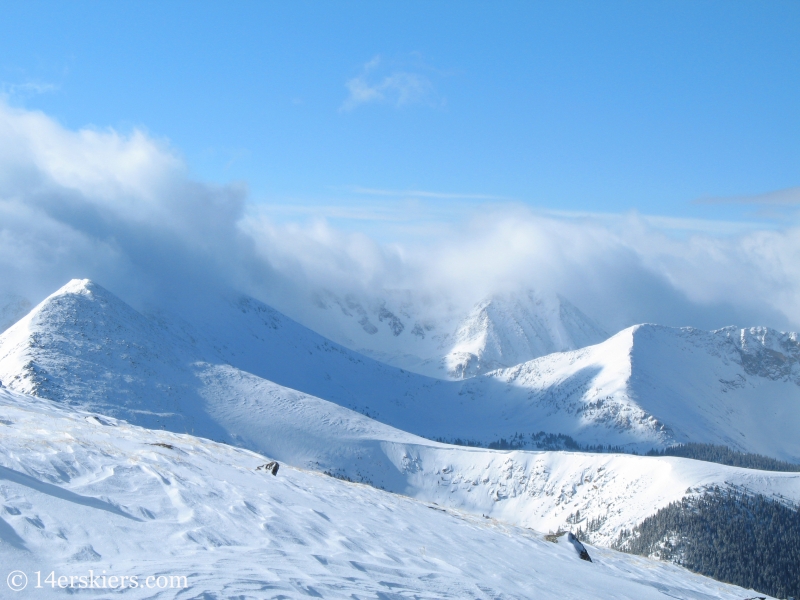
(83,492)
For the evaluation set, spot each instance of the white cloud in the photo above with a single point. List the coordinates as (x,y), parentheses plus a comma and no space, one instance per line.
(27,88)
(786,197)
(424,194)
(117,208)
(399,88)
(121,209)
(621,270)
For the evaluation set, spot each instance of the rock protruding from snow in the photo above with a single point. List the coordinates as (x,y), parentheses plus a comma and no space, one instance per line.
(579,548)
(765,352)
(270,467)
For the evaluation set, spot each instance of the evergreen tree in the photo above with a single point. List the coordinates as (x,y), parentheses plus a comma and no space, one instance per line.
(733,536)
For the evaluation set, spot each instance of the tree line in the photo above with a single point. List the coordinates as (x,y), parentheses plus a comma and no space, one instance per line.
(560,441)
(725,456)
(729,534)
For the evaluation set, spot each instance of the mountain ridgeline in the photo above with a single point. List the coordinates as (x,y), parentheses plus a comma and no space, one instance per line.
(725,456)
(721,455)
(646,387)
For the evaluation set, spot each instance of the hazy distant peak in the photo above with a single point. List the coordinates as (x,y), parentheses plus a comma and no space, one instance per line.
(437,339)
(510,328)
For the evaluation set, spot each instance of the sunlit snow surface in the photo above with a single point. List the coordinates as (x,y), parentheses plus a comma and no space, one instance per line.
(83,492)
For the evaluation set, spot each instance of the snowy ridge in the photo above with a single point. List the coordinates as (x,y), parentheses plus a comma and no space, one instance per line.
(84,344)
(646,387)
(85,493)
(548,491)
(739,388)
(435,339)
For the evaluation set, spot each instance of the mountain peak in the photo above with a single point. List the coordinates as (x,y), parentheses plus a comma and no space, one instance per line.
(23,323)
(435,338)
(510,328)
(79,286)
(81,331)
(77,299)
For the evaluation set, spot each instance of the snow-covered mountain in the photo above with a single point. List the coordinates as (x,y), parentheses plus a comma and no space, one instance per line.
(438,340)
(735,387)
(646,387)
(84,346)
(92,500)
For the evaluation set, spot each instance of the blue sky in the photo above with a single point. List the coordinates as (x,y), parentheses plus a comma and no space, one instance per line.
(640,158)
(344,107)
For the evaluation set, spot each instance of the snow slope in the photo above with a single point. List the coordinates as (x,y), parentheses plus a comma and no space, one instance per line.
(84,344)
(88,496)
(437,340)
(647,386)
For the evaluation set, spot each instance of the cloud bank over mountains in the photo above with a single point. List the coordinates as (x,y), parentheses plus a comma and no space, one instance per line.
(123,210)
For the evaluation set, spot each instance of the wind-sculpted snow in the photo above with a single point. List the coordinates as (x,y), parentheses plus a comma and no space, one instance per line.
(83,493)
